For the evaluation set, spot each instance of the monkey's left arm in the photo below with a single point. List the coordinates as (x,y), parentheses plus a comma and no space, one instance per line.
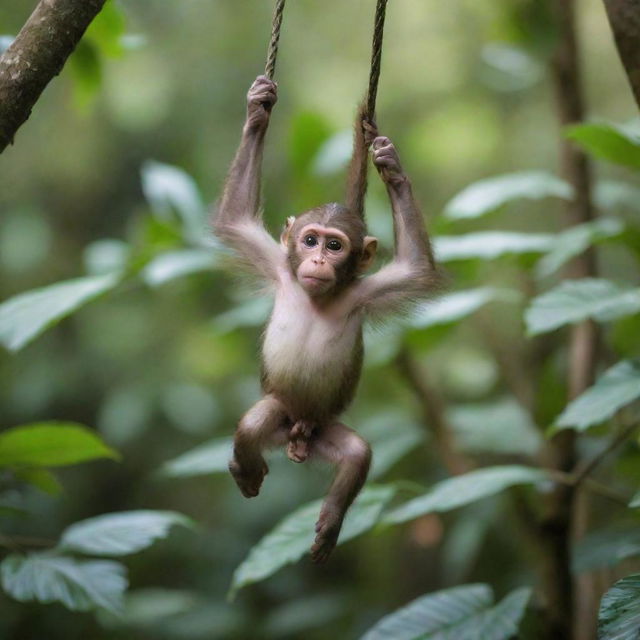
(412,273)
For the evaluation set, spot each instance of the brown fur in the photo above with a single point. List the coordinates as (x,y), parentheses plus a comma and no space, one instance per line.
(312,348)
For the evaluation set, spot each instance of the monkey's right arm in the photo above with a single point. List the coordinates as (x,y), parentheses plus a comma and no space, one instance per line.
(237,221)
(412,273)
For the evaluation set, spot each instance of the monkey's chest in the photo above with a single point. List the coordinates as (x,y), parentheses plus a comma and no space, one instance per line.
(311,358)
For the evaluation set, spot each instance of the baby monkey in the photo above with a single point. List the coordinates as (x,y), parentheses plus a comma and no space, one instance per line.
(312,348)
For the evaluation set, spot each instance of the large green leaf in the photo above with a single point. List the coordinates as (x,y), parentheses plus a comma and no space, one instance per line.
(488,245)
(460,613)
(391,436)
(498,427)
(452,307)
(168,188)
(51,444)
(293,537)
(619,615)
(210,457)
(27,315)
(616,388)
(461,490)
(574,241)
(39,478)
(573,301)
(79,585)
(488,195)
(606,548)
(119,534)
(610,142)
(175,264)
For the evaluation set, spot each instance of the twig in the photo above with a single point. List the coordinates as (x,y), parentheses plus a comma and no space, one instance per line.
(589,466)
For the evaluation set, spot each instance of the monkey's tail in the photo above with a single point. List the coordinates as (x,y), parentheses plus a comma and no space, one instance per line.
(365,130)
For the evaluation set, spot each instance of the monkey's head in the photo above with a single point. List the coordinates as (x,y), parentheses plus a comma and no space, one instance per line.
(327,248)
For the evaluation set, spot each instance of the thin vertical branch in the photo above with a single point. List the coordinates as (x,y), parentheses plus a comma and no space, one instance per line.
(557,521)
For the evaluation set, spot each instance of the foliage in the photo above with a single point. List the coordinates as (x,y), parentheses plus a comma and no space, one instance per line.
(154,345)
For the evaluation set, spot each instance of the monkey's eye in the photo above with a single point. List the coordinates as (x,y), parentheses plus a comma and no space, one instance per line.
(310,241)
(334,245)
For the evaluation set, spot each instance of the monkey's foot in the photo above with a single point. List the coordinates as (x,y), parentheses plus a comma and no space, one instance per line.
(327,530)
(298,447)
(249,480)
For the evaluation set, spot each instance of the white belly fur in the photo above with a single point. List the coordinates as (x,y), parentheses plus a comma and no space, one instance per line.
(305,350)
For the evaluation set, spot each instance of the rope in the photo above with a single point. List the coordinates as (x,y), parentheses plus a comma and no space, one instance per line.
(270,67)
(376,57)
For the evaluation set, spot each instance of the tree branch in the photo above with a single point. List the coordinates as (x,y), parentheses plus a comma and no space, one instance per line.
(624,18)
(589,466)
(37,55)
(557,520)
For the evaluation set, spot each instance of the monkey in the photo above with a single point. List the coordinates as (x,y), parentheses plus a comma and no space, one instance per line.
(312,347)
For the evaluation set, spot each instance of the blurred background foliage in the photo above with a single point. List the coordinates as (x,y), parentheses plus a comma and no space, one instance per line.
(112,175)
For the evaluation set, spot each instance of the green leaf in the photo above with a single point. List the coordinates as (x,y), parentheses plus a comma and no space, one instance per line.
(574,241)
(309,130)
(210,457)
(151,607)
(293,537)
(501,427)
(389,443)
(616,388)
(605,548)
(119,534)
(51,444)
(86,69)
(78,585)
(41,479)
(613,195)
(107,30)
(635,501)
(334,154)
(614,143)
(573,301)
(27,315)
(488,195)
(452,307)
(487,245)
(106,256)
(175,264)
(619,614)
(168,189)
(462,490)
(460,613)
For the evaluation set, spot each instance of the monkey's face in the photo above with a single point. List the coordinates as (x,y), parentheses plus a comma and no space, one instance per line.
(321,253)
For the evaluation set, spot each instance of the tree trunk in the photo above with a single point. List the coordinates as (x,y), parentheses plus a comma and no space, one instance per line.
(624,18)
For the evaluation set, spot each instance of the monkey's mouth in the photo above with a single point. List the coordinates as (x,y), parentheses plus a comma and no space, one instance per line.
(315,280)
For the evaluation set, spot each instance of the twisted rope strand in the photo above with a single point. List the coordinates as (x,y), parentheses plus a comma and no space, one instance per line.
(270,67)
(376,58)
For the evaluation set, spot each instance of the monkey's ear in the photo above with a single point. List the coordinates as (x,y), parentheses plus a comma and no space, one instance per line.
(284,236)
(369,248)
